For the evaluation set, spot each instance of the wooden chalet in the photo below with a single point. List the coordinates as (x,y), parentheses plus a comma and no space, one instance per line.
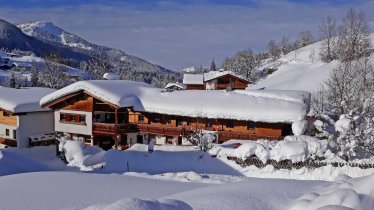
(215,80)
(224,80)
(87,114)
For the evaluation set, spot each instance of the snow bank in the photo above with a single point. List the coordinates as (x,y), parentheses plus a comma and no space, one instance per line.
(345,193)
(252,148)
(22,99)
(211,104)
(287,150)
(84,157)
(14,163)
(140,204)
(294,148)
(315,146)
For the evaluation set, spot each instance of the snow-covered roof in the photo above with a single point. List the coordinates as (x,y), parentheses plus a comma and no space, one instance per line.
(111,76)
(171,84)
(23,99)
(210,104)
(193,79)
(215,74)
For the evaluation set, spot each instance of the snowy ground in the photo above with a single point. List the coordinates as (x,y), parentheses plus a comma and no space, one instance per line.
(172,178)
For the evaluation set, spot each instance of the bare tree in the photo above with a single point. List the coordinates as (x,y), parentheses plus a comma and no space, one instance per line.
(244,63)
(285,45)
(305,38)
(274,50)
(53,74)
(328,31)
(96,67)
(353,36)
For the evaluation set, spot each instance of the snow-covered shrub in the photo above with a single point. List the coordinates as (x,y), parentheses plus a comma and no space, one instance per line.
(288,150)
(203,139)
(299,127)
(315,147)
(250,148)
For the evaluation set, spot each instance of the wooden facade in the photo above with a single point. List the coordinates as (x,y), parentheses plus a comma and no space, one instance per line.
(7,118)
(112,125)
(195,87)
(227,82)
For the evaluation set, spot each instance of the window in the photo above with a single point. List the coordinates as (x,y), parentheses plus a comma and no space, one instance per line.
(71,118)
(62,117)
(82,118)
(14,134)
(6,114)
(250,125)
(168,121)
(157,120)
(7,132)
(230,124)
(208,124)
(140,118)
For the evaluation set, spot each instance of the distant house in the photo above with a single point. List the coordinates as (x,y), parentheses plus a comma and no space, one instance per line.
(175,86)
(21,116)
(120,113)
(224,80)
(215,80)
(194,81)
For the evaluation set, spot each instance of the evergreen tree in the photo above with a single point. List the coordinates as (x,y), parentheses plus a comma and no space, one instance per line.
(34,77)
(213,66)
(12,81)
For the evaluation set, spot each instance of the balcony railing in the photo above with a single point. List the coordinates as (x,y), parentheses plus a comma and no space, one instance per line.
(165,130)
(173,131)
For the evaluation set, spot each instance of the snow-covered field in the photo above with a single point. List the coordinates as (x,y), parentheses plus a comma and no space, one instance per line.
(172,177)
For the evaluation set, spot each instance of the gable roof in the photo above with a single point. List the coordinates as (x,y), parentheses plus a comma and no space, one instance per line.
(22,99)
(171,84)
(216,74)
(193,79)
(199,103)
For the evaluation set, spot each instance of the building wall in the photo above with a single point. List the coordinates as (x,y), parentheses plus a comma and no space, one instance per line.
(8,120)
(195,87)
(85,129)
(32,124)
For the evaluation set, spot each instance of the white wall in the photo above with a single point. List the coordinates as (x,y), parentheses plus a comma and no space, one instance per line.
(32,124)
(74,128)
(2,131)
(211,85)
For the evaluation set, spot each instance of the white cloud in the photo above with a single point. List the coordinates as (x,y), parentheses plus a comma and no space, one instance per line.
(177,36)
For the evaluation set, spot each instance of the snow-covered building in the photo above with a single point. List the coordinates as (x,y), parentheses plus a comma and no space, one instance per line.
(21,116)
(215,80)
(121,113)
(175,86)
(193,81)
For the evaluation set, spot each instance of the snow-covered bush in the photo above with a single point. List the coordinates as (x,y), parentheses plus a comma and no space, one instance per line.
(203,139)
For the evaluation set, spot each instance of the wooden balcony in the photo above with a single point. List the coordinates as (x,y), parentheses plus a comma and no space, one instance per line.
(111,128)
(227,135)
(160,130)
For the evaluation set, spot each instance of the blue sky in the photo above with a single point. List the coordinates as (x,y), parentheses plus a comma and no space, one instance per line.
(182,33)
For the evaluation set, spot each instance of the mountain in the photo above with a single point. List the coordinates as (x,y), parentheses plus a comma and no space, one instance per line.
(50,33)
(12,37)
